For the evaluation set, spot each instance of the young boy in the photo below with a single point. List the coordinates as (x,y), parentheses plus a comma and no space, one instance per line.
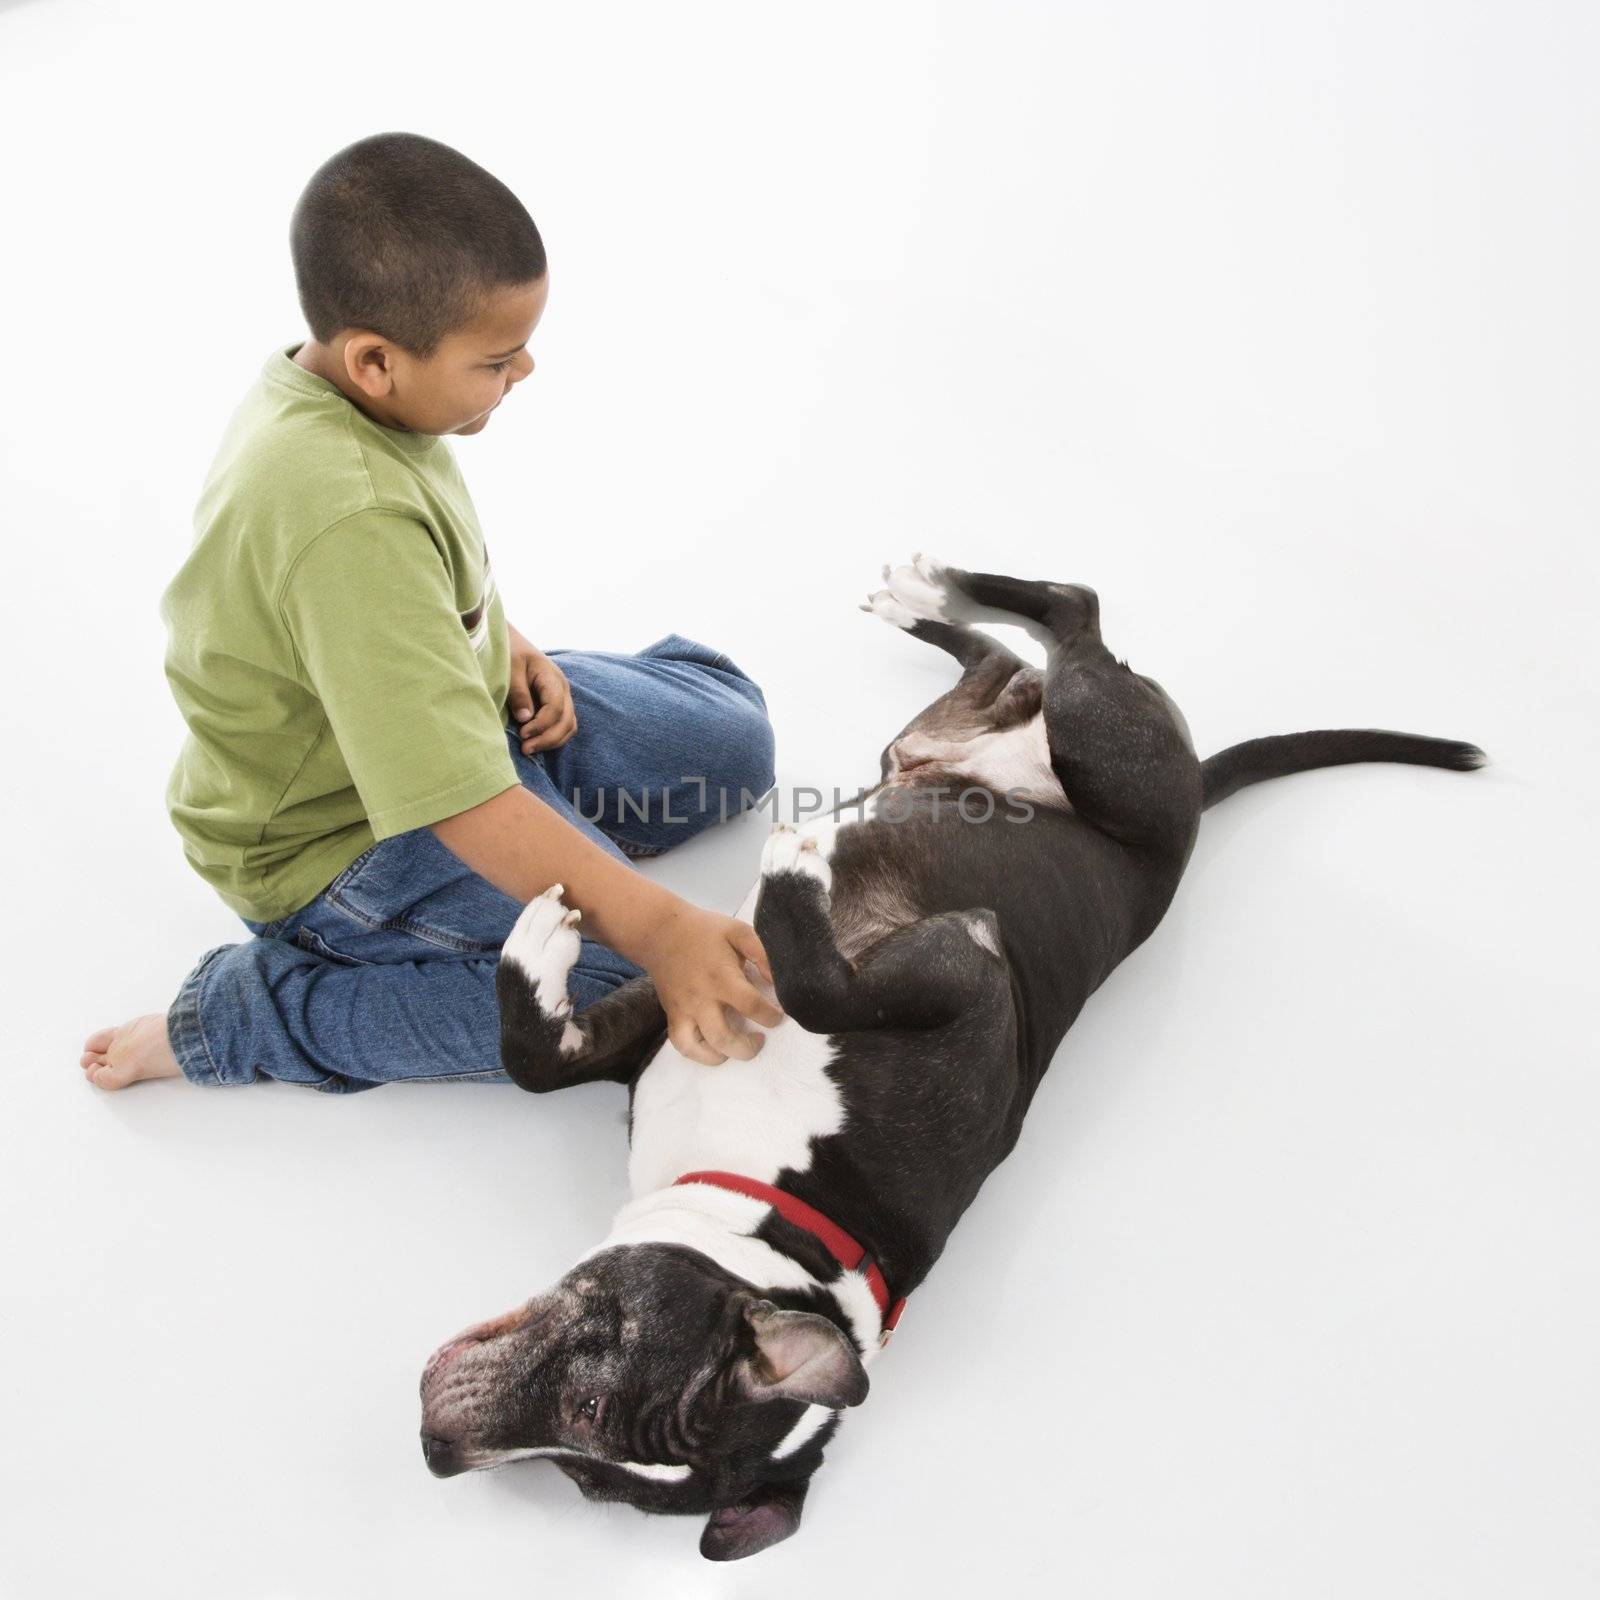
(380,771)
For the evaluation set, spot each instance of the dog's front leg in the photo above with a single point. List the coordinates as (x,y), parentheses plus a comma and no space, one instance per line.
(920,976)
(544,1044)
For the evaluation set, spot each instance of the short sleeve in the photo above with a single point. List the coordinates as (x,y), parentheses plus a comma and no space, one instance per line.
(370,606)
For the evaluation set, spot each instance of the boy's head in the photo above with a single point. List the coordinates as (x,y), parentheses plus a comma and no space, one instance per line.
(422,278)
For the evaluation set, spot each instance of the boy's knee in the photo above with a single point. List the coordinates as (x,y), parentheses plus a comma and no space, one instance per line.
(733,736)
(746,756)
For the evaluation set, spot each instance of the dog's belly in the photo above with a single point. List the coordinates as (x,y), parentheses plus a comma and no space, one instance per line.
(1013,761)
(753,1117)
(761,1117)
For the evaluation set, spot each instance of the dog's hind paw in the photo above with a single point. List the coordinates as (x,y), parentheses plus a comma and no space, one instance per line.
(543,946)
(916,592)
(788,850)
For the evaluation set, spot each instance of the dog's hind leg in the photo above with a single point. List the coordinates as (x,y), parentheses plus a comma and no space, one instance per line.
(921,975)
(997,688)
(931,593)
(1118,743)
(544,1044)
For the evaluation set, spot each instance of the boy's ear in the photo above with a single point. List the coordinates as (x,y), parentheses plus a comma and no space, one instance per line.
(369,362)
(770,1514)
(800,1356)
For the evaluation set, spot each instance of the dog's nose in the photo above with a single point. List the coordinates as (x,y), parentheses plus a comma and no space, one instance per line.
(440,1456)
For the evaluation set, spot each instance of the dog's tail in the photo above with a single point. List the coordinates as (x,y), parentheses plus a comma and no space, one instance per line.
(1282,753)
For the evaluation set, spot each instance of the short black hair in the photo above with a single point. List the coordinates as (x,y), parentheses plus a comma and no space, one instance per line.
(403,235)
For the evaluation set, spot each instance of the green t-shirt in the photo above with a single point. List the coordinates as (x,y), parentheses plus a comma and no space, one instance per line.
(335,644)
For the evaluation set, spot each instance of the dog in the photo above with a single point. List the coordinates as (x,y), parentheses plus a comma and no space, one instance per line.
(1028,830)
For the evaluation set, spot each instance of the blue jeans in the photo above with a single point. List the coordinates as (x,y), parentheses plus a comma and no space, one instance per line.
(388,975)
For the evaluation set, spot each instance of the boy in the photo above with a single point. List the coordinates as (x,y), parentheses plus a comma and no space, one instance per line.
(380,772)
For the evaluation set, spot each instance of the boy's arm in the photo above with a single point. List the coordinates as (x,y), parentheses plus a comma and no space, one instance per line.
(371,610)
(696,957)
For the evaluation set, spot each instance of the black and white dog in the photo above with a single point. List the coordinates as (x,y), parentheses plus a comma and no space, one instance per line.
(929,958)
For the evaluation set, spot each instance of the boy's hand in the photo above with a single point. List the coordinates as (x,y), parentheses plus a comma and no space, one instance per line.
(697,959)
(540,701)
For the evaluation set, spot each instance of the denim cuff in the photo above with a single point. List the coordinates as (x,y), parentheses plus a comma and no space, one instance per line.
(184,1031)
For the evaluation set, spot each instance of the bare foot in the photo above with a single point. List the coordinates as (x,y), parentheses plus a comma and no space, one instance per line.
(115,1057)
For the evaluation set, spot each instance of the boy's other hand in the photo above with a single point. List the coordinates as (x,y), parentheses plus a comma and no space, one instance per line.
(696,959)
(540,701)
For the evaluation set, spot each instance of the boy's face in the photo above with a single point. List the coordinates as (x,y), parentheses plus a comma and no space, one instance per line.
(456,388)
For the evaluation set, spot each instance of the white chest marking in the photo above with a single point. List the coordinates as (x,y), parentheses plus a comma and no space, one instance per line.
(752,1117)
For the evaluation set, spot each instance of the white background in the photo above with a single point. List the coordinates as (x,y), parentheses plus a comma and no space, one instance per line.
(1277,324)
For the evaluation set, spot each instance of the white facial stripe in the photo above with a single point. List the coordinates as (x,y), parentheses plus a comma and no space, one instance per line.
(811,1421)
(498,1458)
(662,1471)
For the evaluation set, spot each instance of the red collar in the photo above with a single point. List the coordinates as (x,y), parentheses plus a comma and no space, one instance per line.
(850,1255)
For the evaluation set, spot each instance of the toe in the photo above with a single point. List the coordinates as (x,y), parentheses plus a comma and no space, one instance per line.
(106,1076)
(97,1042)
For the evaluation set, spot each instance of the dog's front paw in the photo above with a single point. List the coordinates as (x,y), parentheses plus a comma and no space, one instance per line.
(788,850)
(543,946)
(915,592)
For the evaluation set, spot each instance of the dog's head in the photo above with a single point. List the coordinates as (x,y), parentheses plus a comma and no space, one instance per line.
(652,1375)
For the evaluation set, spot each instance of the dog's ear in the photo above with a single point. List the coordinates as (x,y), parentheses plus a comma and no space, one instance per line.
(800,1356)
(770,1514)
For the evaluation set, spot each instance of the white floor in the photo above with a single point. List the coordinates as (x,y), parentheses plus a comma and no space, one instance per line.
(1274,323)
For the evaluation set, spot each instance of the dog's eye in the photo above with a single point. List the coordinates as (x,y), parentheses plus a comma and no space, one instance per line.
(591,1407)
